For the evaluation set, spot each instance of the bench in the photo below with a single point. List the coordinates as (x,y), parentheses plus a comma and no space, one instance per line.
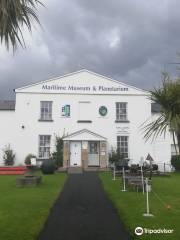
(135,182)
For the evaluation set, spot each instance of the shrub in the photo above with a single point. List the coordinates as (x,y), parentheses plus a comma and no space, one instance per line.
(57,156)
(113,157)
(146,166)
(154,167)
(27,160)
(118,159)
(8,155)
(48,166)
(134,168)
(175,161)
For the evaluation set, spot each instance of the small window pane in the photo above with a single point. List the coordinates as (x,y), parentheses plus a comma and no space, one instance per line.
(46,110)
(122,145)
(44,146)
(93,148)
(121,111)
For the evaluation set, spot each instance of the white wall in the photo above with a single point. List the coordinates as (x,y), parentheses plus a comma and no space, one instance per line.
(27,113)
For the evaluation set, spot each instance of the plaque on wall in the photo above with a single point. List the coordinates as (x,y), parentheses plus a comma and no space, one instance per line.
(84,145)
(103,149)
(103,153)
(103,111)
(65,111)
(121,130)
(103,146)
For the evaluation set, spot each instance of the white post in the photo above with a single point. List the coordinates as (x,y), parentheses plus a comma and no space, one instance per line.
(147,214)
(124,182)
(142,177)
(147,196)
(114,172)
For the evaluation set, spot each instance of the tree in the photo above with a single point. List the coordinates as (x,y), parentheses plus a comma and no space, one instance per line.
(57,156)
(168,97)
(117,158)
(8,155)
(15,14)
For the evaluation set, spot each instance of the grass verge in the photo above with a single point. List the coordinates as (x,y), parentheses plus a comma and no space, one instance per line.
(164,204)
(23,211)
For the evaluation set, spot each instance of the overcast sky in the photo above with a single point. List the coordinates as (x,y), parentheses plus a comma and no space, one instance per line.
(131,41)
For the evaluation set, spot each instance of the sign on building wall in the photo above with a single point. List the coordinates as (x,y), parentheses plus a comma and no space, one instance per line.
(122,130)
(66,111)
(84,145)
(89,89)
(103,111)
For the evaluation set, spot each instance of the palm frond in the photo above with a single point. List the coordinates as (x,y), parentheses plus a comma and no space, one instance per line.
(168,97)
(14,14)
(155,128)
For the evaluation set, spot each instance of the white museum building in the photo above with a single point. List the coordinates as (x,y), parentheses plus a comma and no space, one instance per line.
(94,113)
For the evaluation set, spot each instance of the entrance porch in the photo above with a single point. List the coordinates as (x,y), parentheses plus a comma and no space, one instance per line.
(85,149)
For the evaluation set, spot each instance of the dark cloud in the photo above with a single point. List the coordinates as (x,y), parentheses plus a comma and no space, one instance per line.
(132,41)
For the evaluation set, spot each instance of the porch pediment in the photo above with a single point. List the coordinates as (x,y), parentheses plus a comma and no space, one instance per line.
(84,135)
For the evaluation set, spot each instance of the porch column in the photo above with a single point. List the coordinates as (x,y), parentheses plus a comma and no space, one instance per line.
(84,156)
(66,154)
(103,154)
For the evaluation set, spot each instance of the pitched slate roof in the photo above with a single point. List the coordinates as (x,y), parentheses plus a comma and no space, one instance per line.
(7,105)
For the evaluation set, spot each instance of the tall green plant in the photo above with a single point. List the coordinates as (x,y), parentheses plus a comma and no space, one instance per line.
(57,156)
(116,157)
(168,97)
(15,14)
(8,156)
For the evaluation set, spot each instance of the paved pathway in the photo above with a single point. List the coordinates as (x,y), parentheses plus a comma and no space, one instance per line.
(83,212)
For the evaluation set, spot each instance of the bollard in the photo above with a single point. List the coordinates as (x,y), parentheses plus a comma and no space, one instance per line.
(114,172)
(124,182)
(142,177)
(164,167)
(147,214)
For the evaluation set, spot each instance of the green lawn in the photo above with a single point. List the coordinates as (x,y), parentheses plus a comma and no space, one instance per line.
(131,205)
(23,211)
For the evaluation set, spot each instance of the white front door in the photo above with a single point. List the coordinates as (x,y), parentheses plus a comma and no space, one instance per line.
(75,150)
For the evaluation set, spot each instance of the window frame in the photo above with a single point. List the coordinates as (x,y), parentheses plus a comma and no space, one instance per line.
(44,147)
(93,147)
(121,112)
(123,144)
(46,115)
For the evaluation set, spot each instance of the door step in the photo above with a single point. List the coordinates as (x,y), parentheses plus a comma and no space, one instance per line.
(75,170)
(94,169)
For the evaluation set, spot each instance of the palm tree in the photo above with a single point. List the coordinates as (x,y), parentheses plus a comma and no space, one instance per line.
(168,97)
(14,14)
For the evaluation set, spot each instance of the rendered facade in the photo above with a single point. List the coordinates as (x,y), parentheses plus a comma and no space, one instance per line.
(95,114)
